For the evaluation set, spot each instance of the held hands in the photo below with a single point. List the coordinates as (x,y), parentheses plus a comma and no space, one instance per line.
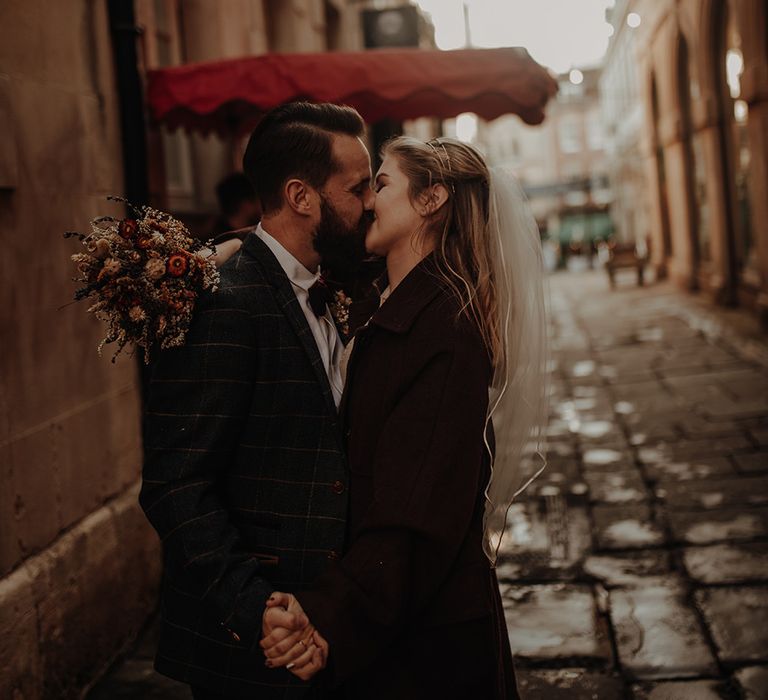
(290,640)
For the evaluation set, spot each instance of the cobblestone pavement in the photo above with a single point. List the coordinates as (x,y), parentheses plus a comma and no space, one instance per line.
(637,566)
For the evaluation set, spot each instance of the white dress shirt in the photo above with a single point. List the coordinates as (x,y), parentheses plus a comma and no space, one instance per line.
(323,328)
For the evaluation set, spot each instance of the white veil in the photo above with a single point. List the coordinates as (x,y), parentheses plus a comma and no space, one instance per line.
(518,390)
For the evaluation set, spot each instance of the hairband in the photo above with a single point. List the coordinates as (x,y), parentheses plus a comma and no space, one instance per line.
(431,144)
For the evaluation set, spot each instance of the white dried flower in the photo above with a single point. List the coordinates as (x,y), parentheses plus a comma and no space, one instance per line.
(99,249)
(111,266)
(137,314)
(155,269)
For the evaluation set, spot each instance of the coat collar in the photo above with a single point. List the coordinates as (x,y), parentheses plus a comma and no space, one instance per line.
(409,298)
(275,276)
(269,264)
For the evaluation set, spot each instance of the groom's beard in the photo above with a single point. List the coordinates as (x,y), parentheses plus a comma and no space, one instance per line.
(341,247)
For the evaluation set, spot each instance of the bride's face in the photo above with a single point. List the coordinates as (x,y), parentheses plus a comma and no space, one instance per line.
(396,219)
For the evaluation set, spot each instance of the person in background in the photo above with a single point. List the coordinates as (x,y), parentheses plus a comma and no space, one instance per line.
(239,206)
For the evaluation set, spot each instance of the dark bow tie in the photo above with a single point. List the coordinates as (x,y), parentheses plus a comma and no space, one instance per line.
(319,296)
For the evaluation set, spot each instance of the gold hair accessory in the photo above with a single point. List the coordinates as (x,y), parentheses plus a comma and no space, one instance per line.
(440,155)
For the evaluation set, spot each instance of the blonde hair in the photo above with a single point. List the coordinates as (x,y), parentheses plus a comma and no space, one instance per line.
(463,245)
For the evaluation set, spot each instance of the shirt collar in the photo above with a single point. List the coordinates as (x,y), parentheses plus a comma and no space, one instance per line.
(294,270)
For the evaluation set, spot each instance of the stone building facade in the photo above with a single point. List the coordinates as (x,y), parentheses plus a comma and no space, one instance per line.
(703,77)
(562,163)
(623,115)
(79,566)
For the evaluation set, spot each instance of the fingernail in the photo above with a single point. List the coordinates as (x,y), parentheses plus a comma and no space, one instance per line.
(268,663)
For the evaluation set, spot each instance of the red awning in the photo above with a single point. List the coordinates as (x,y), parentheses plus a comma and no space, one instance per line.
(384,83)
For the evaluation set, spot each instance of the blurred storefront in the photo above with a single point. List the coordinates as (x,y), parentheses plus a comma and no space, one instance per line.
(702,72)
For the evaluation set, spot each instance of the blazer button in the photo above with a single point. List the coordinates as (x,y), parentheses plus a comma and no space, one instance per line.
(337,488)
(333,555)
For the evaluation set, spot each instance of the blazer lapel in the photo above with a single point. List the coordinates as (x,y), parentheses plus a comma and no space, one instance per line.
(289,304)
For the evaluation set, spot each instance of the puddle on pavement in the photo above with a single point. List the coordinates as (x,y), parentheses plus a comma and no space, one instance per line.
(684,471)
(585,368)
(543,534)
(743,525)
(595,429)
(631,532)
(602,457)
(624,407)
(653,455)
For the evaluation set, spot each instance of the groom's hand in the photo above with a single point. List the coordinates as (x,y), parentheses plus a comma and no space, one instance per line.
(289,639)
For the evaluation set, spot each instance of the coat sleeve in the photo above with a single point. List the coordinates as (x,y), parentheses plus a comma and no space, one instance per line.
(198,400)
(427,475)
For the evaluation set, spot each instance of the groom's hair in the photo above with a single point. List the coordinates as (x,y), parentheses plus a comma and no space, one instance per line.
(294,141)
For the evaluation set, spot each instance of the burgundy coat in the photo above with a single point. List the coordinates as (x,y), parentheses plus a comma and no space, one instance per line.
(412,610)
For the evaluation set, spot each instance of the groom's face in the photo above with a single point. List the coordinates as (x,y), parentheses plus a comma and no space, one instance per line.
(346,205)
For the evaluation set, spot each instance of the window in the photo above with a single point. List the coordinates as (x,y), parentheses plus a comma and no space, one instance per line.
(569,132)
(595,133)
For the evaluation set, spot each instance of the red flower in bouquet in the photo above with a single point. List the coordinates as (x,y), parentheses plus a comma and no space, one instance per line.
(177,265)
(127,228)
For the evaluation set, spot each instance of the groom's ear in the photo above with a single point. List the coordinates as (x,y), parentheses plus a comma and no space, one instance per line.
(299,196)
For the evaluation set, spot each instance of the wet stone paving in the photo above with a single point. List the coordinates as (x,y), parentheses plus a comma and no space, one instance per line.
(636,566)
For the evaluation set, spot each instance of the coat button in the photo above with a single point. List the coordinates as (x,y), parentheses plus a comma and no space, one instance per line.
(337,487)
(348,433)
(333,555)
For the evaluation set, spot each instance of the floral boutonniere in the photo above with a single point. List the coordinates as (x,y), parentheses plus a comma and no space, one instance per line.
(339,308)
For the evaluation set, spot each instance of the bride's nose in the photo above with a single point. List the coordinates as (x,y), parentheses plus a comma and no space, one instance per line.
(370,198)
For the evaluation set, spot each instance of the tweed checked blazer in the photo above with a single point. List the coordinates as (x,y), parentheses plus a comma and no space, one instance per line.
(244,476)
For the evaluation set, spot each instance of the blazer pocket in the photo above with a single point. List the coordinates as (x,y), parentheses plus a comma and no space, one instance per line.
(266,559)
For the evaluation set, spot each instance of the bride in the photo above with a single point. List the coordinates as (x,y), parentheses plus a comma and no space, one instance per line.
(457,347)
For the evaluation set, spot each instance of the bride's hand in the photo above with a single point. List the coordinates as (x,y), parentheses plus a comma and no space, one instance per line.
(314,660)
(224,251)
(289,638)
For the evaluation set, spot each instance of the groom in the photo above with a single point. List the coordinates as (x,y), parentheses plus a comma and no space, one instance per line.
(244,473)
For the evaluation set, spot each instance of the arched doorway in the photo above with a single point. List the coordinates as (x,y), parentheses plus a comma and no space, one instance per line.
(735,145)
(661,175)
(695,166)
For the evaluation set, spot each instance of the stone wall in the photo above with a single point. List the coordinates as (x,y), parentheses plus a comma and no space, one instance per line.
(78,563)
(678,50)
